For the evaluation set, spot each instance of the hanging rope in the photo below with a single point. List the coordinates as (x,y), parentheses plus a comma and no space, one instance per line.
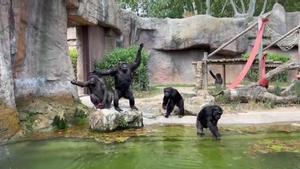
(264,82)
(253,54)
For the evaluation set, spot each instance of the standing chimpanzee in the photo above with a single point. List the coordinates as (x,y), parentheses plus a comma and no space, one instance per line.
(171,98)
(123,75)
(217,77)
(208,118)
(99,95)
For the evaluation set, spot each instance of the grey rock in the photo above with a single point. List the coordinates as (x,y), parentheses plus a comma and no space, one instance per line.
(6,79)
(278,19)
(175,43)
(110,119)
(43,67)
(93,12)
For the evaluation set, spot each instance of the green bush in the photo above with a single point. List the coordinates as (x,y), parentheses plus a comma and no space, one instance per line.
(278,57)
(59,123)
(73,55)
(272,56)
(113,59)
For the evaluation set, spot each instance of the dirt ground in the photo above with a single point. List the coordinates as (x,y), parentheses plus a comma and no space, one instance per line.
(233,114)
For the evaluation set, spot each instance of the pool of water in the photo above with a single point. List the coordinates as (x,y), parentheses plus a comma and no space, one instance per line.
(174,147)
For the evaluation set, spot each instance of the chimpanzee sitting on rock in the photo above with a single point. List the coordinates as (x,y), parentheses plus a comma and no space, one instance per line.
(208,118)
(171,98)
(99,95)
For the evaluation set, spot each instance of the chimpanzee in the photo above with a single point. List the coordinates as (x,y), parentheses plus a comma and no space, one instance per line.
(171,98)
(217,77)
(123,75)
(208,118)
(99,95)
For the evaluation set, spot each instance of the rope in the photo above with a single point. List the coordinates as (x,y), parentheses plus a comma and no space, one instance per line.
(254,52)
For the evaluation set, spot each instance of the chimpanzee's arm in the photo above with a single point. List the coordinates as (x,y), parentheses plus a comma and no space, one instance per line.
(213,129)
(212,74)
(105,93)
(107,72)
(165,102)
(81,84)
(138,58)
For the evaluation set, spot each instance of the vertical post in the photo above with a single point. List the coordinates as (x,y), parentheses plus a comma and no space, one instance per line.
(205,70)
(260,53)
(224,76)
(298,58)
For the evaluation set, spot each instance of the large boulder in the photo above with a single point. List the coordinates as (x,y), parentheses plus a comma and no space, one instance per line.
(41,63)
(175,43)
(38,113)
(110,119)
(9,121)
(278,19)
(93,12)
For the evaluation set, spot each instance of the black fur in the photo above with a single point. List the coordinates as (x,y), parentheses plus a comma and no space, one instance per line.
(171,98)
(208,117)
(123,75)
(99,95)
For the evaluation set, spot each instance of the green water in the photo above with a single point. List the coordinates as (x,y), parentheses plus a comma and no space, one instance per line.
(174,147)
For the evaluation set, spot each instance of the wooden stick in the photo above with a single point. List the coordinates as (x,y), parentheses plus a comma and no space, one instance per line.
(234,38)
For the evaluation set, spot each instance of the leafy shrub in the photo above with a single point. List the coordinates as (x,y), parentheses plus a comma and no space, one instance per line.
(59,123)
(113,59)
(73,55)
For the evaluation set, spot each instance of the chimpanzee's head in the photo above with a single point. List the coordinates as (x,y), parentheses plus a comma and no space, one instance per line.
(123,67)
(217,112)
(218,76)
(168,91)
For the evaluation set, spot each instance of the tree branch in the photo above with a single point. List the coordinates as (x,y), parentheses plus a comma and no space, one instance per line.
(236,13)
(282,68)
(251,7)
(208,11)
(264,7)
(243,6)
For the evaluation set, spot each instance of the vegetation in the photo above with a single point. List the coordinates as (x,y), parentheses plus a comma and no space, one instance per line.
(80,115)
(59,123)
(73,55)
(110,60)
(217,8)
(253,74)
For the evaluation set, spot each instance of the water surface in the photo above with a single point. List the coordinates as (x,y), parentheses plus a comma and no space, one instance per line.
(175,147)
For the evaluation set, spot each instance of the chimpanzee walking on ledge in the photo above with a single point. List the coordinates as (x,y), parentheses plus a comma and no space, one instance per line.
(123,75)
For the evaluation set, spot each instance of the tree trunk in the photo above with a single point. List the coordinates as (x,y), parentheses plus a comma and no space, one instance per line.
(223,8)
(282,68)
(251,8)
(264,7)
(259,93)
(236,13)
(243,6)
(208,11)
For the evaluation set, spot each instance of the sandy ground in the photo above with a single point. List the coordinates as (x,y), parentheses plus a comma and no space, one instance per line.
(277,115)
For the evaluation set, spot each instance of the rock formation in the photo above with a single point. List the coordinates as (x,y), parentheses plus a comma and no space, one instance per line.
(110,119)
